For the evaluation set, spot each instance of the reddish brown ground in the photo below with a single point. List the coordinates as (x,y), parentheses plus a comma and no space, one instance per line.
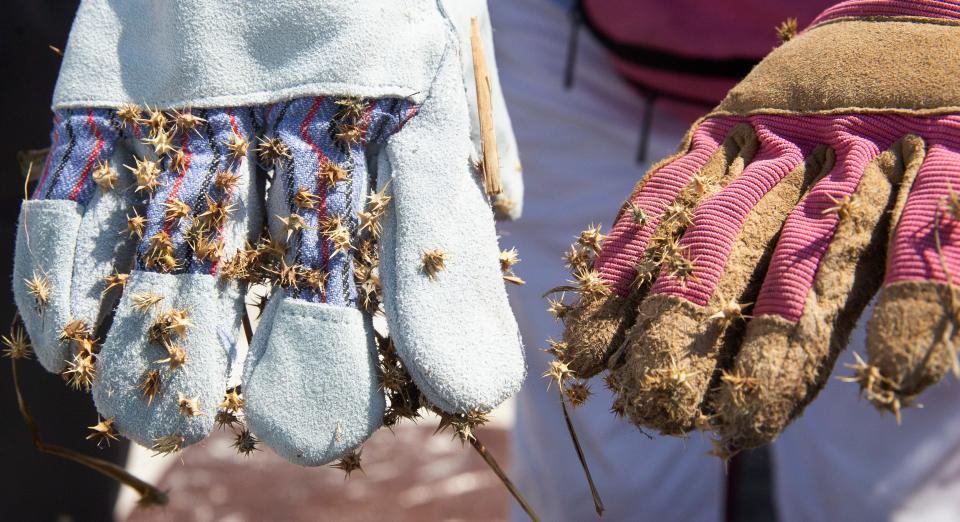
(408,475)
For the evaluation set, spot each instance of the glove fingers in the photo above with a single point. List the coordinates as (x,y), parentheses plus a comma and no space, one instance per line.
(911,337)
(310,384)
(68,240)
(693,320)
(659,208)
(826,267)
(164,366)
(312,393)
(443,288)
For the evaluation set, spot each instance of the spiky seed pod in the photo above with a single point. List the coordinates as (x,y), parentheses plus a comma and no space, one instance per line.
(235,268)
(591,238)
(225,419)
(349,134)
(664,249)
(577,258)
(787,30)
(557,348)
(143,301)
(679,214)
(577,393)
(433,262)
(352,108)
(185,120)
(274,248)
(215,214)
(156,120)
(39,287)
(618,408)
(226,180)
(558,309)
(167,324)
(682,268)
(245,442)
(136,224)
(103,432)
(115,280)
(176,357)
(509,258)
(882,392)
(590,284)
(349,463)
(558,372)
(284,275)
(175,210)
(159,252)
(16,345)
(232,401)
(647,270)
(377,202)
(80,372)
(393,379)
(162,143)
(739,384)
(272,150)
(177,321)
(86,346)
(129,114)
(729,311)
(207,249)
(332,173)
(237,146)
(315,279)
(305,199)
(105,176)
(168,444)
(334,229)
(292,224)
(178,161)
(189,407)
(150,385)
(370,221)
(146,174)
(638,215)
(75,330)
(844,207)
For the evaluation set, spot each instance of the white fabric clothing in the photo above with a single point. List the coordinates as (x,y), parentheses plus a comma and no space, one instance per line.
(578,149)
(842,460)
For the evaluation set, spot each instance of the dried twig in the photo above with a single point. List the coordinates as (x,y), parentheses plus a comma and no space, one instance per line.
(492,463)
(149,494)
(490,165)
(597,501)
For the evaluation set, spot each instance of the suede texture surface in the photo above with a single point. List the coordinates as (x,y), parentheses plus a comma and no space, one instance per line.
(214,308)
(455,331)
(855,66)
(213,53)
(46,241)
(311,384)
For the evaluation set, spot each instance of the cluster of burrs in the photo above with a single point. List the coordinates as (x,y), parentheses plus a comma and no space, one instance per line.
(161,131)
(664,256)
(81,368)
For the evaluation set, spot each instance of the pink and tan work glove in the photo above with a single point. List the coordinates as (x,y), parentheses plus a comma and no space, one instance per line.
(734,273)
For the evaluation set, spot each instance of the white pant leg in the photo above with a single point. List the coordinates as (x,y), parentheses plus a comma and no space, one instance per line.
(844,461)
(578,151)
